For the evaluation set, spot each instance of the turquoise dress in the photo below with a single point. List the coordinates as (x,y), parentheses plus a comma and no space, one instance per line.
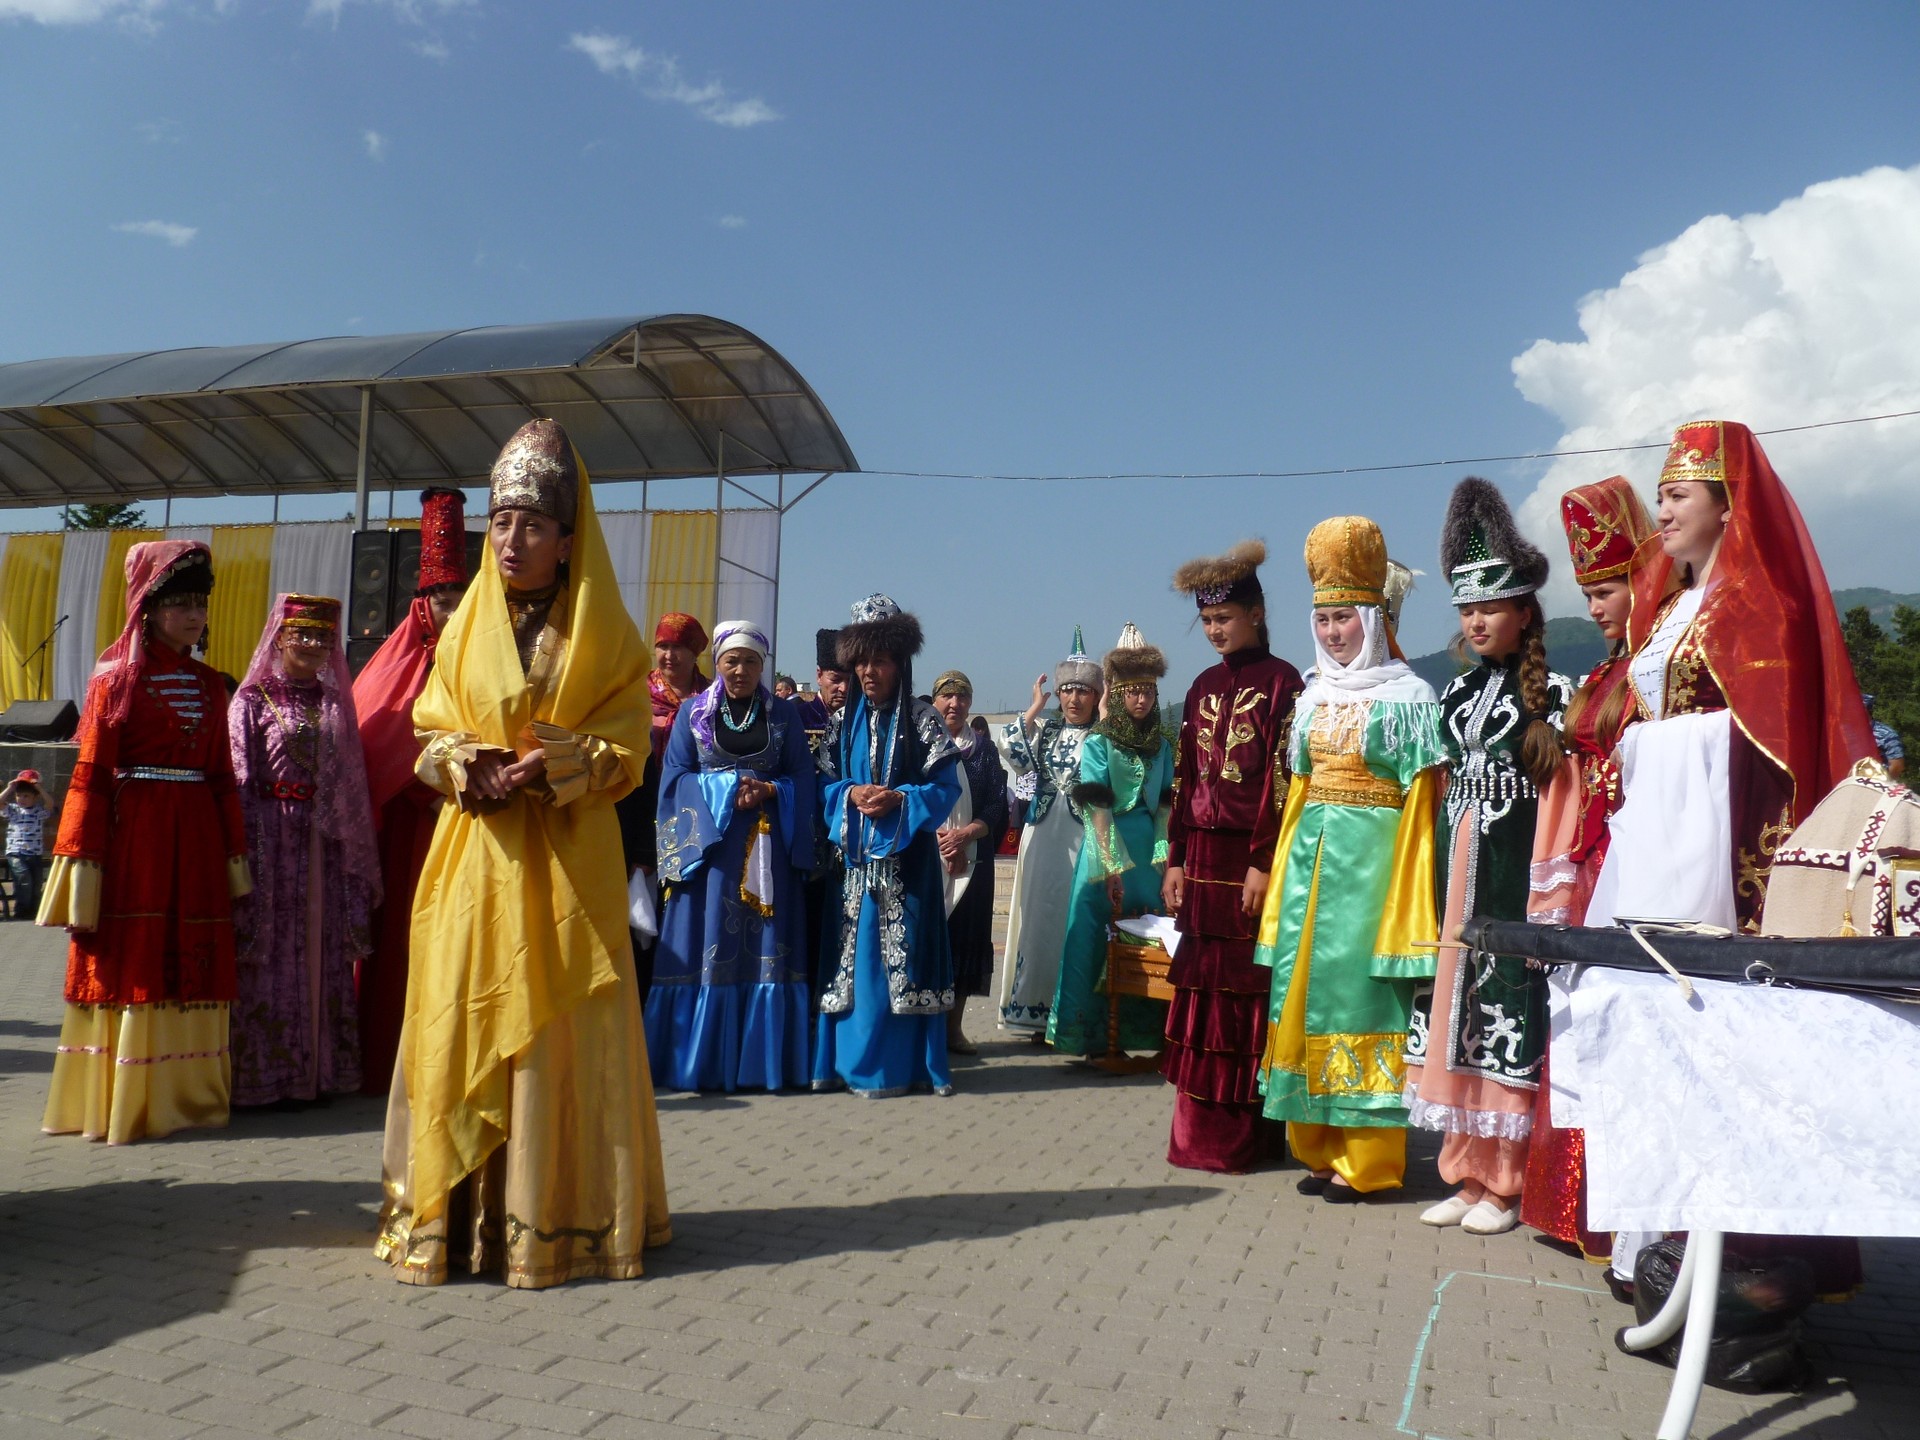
(1351,893)
(1126,800)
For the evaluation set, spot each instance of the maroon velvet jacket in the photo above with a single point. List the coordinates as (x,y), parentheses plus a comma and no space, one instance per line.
(1230,782)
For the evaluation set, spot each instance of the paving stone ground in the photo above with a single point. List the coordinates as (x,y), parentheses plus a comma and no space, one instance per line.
(1012,1263)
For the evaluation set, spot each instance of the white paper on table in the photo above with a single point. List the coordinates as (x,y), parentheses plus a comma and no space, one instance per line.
(1153,927)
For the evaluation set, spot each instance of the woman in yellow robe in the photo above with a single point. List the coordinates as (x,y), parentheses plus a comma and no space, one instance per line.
(521,1134)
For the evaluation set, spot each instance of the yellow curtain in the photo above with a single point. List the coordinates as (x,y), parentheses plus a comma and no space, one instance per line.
(29,594)
(680,573)
(237,612)
(112,618)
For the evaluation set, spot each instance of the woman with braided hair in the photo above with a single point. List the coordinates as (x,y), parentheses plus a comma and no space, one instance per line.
(1478,1038)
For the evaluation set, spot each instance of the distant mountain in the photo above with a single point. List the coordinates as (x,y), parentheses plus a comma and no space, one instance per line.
(1880,603)
(1574,645)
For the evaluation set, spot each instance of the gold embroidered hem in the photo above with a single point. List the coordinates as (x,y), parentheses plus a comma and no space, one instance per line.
(575,1191)
(139,1072)
(71,894)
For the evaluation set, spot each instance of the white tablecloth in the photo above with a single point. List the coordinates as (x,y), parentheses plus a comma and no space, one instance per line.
(1749,1108)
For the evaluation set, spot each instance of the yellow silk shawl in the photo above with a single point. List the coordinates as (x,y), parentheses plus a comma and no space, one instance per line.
(521,910)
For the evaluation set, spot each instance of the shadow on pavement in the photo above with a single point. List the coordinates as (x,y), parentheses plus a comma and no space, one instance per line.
(28,1027)
(85,1268)
(718,1239)
(26,1062)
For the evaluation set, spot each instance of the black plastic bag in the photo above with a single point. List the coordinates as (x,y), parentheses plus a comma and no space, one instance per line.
(1756,1323)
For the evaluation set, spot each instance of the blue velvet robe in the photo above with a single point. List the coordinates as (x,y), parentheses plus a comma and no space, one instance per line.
(728,1007)
(889,967)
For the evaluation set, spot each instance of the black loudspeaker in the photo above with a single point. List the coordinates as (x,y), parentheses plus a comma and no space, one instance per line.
(406,569)
(370,603)
(26,721)
(360,649)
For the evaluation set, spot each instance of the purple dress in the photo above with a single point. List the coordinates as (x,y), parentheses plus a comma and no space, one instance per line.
(296,1032)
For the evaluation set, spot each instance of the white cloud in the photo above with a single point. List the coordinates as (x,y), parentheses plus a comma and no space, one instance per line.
(660,78)
(376,144)
(433,50)
(1806,313)
(414,11)
(733,222)
(174,235)
(77,12)
(157,132)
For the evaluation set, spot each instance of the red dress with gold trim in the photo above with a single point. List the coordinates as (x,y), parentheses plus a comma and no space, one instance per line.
(1230,785)
(1554,1199)
(166,921)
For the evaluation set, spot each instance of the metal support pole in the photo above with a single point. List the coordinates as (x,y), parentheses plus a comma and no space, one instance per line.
(360,465)
(166,514)
(719,518)
(779,525)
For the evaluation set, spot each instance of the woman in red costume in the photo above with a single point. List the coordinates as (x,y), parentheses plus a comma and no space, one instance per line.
(151,852)
(1607,527)
(404,809)
(1746,714)
(1230,785)
(677,642)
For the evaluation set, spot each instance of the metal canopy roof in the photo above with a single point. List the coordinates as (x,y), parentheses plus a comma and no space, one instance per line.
(649,398)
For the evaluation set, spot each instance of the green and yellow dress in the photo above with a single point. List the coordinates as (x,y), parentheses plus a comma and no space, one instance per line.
(1351,896)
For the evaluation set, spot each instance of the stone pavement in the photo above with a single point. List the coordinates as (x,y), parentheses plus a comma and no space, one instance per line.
(1016,1261)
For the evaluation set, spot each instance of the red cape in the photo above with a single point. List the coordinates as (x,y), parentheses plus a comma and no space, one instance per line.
(383,696)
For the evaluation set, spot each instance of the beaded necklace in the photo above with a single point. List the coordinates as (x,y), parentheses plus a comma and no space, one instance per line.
(742,726)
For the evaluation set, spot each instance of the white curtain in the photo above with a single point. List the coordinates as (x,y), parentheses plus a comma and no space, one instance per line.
(202,533)
(312,559)
(751,538)
(83,563)
(629,533)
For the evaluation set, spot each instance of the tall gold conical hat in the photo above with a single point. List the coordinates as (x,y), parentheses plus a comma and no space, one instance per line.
(1347,561)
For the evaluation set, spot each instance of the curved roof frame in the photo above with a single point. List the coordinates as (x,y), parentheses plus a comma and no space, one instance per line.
(645,398)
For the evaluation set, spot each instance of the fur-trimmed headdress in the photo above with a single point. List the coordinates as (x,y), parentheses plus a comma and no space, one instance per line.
(880,627)
(1232,578)
(1132,661)
(1482,550)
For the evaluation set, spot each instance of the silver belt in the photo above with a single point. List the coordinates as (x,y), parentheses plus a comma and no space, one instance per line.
(161,772)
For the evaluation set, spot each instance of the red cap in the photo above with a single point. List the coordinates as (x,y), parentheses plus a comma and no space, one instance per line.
(28,777)
(678,629)
(443,539)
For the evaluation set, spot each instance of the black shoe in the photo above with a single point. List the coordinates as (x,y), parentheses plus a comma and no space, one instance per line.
(1343,1195)
(1312,1184)
(1621,1290)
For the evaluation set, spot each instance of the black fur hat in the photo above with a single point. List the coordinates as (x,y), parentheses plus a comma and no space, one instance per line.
(826,649)
(1482,550)
(880,627)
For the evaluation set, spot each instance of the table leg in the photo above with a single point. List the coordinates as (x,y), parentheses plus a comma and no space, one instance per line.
(1696,1294)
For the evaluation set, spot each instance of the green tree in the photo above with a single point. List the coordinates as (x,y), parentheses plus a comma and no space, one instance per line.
(1888,666)
(124,515)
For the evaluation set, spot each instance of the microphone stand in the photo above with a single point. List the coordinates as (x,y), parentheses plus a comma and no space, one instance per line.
(39,651)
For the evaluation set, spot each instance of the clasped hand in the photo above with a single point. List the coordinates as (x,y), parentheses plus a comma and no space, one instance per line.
(751,793)
(874,801)
(491,776)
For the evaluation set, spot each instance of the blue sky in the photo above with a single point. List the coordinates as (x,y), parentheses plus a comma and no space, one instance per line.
(1077,238)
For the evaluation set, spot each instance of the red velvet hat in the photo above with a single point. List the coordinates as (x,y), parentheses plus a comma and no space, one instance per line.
(443,539)
(310,612)
(1606,525)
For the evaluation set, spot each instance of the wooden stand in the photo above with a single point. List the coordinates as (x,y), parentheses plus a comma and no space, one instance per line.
(1132,970)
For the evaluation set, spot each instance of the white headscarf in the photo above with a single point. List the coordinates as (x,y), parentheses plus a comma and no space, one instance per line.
(1373,674)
